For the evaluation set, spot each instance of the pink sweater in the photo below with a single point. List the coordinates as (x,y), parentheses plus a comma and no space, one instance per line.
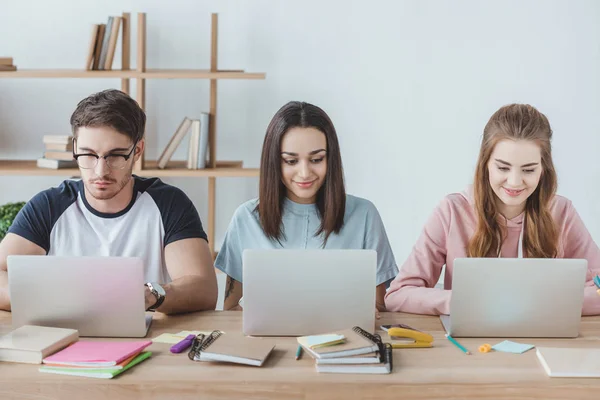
(445,238)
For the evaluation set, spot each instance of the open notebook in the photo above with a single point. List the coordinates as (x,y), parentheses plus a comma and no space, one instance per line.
(233,348)
(358,341)
(570,362)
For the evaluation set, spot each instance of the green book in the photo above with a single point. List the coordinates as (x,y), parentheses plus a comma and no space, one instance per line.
(94,372)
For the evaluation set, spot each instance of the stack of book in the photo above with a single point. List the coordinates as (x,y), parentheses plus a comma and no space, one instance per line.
(97,359)
(58,153)
(351,351)
(103,44)
(6,64)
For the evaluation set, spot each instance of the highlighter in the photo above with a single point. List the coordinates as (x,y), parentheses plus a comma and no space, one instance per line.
(183,345)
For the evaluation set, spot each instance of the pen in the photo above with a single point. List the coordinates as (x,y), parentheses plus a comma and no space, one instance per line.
(298,352)
(183,345)
(460,346)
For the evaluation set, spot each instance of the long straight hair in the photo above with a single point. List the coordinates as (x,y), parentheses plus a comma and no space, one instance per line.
(331,197)
(540,238)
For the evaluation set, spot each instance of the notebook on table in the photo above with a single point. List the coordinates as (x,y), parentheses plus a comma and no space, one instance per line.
(31,343)
(369,358)
(570,362)
(97,354)
(358,341)
(383,367)
(233,348)
(98,372)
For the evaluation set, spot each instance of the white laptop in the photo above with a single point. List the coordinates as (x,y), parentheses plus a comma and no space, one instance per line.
(306,292)
(516,297)
(98,296)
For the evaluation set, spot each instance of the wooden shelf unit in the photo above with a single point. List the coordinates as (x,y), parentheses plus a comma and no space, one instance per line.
(175,169)
(140,74)
(132,74)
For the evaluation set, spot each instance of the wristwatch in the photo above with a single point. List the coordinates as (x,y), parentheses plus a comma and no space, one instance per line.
(158,292)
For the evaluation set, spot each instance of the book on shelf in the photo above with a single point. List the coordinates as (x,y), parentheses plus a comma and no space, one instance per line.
(232,348)
(6,64)
(55,164)
(174,142)
(98,46)
(32,343)
(197,144)
(192,161)
(103,44)
(58,155)
(60,147)
(57,139)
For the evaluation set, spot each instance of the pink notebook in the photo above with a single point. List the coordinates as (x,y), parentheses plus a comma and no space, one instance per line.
(96,354)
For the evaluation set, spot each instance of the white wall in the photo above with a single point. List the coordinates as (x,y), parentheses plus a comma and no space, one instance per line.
(408,84)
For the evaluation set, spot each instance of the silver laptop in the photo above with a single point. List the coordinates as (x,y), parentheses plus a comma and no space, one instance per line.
(306,292)
(516,297)
(98,296)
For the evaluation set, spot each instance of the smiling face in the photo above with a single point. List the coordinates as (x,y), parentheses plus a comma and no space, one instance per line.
(303,163)
(515,169)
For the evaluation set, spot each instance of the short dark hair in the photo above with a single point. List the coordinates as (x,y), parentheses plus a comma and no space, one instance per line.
(112,108)
(331,197)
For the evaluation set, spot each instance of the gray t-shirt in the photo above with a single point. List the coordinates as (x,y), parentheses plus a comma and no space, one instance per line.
(362,229)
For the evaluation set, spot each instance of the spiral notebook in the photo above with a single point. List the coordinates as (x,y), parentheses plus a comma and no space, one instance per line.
(383,367)
(358,341)
(231,347)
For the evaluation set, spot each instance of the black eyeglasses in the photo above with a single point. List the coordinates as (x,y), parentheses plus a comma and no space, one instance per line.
(90,160)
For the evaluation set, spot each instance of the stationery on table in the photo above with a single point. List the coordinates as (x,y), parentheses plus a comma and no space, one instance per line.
(97,354)
(570,362)
(298,352)
(508,346)
(360,353)
(404,336)
(318,341)
(232,347)
(97,359)
(597,283)
(103,373)
(358,341)
(31,343)
(174,338)
(183,345)
(460,346)
(384,366)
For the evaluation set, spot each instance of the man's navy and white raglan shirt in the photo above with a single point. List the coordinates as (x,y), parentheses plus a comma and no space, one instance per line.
(62,222)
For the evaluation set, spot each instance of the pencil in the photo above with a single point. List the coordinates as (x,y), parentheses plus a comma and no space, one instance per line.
(460,346)
(298,352)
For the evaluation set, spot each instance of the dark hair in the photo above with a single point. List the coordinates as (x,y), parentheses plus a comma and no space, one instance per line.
(331,197)
(110,108)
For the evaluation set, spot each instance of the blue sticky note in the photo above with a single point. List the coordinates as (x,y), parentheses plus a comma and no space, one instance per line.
(512,347)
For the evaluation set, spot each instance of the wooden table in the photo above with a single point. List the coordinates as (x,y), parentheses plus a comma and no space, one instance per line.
(441,372)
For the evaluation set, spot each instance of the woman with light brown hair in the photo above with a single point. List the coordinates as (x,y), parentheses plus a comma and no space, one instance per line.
(512,210)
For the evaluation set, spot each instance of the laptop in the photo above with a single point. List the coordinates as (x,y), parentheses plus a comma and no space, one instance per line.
(98,296)
(516,297)
(306,292)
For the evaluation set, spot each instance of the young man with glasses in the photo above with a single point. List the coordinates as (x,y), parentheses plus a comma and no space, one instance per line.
(111,212)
